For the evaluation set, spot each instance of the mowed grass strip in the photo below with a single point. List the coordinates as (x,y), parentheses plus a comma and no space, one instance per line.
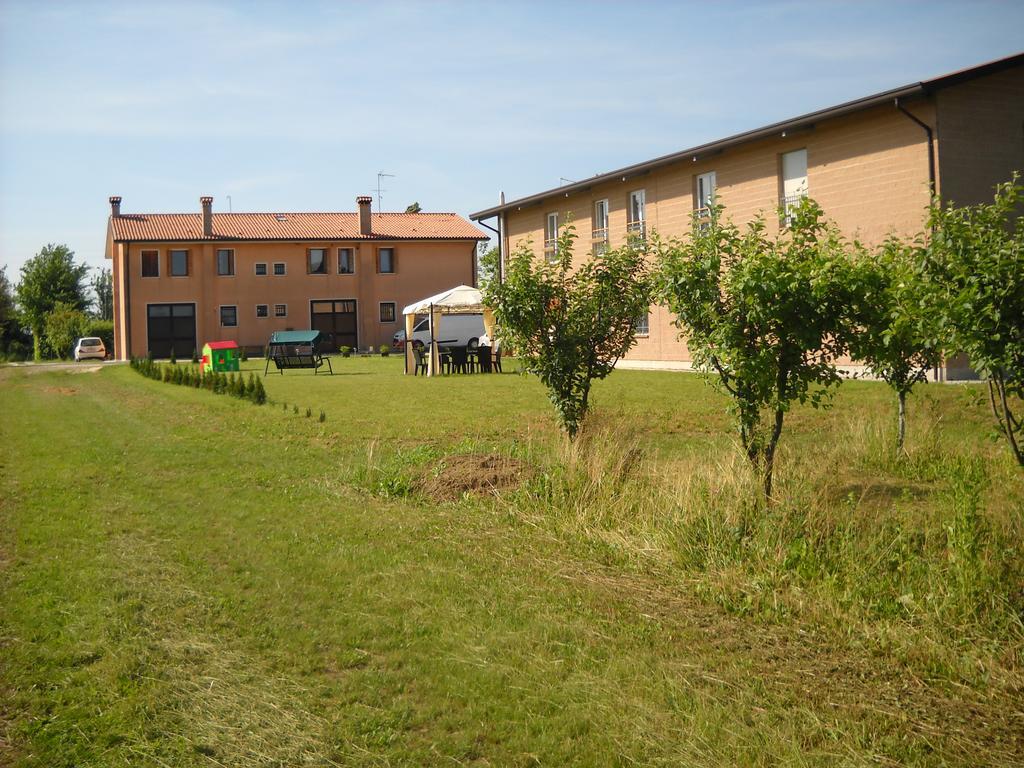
(190,580)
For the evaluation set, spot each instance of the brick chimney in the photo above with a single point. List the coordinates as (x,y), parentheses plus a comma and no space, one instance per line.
(365,228)
(207,216)
(115,206)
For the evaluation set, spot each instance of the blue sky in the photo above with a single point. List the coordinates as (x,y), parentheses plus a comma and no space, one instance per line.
(297,106)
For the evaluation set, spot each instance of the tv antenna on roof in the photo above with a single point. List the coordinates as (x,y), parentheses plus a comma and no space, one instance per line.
(381,175)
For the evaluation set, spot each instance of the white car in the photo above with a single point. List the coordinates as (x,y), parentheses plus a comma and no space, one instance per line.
(90,347)
(455,331)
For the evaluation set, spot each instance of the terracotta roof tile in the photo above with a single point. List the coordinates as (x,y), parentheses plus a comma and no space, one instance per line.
(139,227)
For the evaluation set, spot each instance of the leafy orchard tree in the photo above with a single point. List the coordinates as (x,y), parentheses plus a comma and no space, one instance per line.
(570,325)
(765,315)
(974,272)
(62,327)
(47,279)
(889,331)
(103,288)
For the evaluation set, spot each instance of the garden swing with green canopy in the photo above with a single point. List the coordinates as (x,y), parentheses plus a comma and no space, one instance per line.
(296,349)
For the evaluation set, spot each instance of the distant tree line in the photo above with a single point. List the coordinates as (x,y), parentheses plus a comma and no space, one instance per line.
(54,303)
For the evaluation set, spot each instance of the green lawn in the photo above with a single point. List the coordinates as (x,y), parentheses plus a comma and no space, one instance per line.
(192,580)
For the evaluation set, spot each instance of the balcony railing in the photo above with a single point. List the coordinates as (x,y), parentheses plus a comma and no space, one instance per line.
(636,229)
(600,234)
(787,204)
(551,249)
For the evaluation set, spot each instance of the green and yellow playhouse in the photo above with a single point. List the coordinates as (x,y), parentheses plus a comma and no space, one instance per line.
(220,356)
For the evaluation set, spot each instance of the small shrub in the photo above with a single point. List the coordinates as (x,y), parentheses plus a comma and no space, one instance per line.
(385,350)
(345,351)
(309,412)
(261,394)
(295,410)
(323,416)
(173,360)
(195,356)
(243,357)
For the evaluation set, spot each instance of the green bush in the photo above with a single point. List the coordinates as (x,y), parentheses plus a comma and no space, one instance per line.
(345,351)
(62,327)
(104,329)
(385,350)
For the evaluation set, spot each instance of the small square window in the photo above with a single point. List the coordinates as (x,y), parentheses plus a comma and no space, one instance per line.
(150,264)
(316,261)
(278,267)
(262,310)
(261,269)
(346,261)
(386,260)
(179,263)
(229,316)
(280,310)
(225,261)
(387,311)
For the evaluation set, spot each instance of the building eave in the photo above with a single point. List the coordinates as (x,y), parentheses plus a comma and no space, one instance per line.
(803,122)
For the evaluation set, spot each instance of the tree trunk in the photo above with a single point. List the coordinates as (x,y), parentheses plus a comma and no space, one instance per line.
(901,428)
(1006,420)
(769,454)
(37,346)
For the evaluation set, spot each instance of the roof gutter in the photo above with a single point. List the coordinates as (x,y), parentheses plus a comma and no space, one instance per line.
(127,267)
(699,152)
(932,191)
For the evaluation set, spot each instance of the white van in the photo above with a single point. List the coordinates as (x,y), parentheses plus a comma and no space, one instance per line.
(455,331)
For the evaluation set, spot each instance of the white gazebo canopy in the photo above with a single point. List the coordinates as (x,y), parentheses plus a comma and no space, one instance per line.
(460,300)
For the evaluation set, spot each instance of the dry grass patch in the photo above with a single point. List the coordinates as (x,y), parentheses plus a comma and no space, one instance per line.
(452,477)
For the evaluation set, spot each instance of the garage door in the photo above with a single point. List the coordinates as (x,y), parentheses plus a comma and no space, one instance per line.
(336,320)
(171,327)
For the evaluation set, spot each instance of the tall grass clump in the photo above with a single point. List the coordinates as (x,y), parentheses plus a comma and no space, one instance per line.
(918,544)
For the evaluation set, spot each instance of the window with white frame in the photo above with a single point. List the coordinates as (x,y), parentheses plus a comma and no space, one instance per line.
(229,316)
(316,261)
(551,237)
(600,233)
(637,214)
(262,310)
(642,326)
(261,269)
(794,182)
(705,197)
(387,312)
(346,261)
(280,310)
(225,262)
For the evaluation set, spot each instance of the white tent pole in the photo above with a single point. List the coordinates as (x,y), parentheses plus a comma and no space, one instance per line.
(432,363)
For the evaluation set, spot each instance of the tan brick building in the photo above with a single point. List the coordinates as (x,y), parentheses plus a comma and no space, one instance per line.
(870,163)
(181,280)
